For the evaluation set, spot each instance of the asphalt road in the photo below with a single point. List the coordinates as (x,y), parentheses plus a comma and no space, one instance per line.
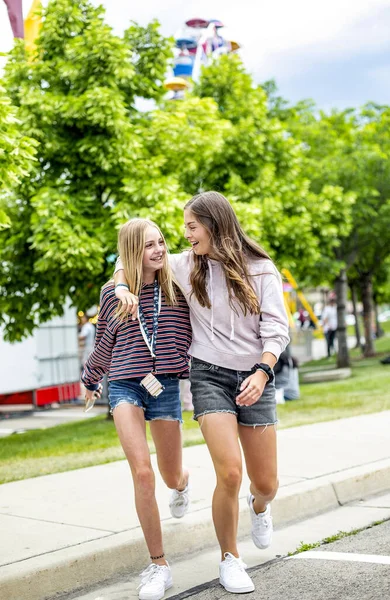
(343,572)
(323,573)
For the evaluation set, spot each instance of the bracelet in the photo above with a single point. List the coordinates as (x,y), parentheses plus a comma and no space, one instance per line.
(157,557)
(123,285)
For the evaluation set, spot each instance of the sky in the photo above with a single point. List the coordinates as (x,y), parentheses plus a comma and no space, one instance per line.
(336,52)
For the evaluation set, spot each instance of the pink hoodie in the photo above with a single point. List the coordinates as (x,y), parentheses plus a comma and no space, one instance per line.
(219,335)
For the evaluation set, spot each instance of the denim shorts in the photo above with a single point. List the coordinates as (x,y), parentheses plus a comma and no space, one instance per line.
(165,407)
(215,389)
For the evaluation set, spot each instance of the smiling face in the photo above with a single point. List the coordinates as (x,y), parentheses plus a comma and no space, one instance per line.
(154,251)
(197,234)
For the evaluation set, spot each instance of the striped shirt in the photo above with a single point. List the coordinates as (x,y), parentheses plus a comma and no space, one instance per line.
(120,349)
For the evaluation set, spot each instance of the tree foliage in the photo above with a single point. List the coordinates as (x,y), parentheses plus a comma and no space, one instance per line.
(77,99)
(262,168)
(306,185)
(17,152)
(350,149)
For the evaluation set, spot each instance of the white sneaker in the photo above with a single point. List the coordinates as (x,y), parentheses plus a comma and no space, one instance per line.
(180,502)
(233,577)
(155,581)
(262,527)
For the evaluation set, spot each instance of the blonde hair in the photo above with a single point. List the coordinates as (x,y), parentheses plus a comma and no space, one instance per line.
(131,247)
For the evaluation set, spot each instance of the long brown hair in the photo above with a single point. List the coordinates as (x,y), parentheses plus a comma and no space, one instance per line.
(131,247)
(230,246)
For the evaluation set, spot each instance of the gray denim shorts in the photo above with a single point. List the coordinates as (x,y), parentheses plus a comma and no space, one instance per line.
(215,389)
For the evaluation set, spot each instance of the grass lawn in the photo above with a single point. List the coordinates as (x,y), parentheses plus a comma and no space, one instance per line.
(366,391)
(70,446)
(94,441)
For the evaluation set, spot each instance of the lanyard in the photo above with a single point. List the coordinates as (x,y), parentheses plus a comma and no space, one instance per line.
(150,341)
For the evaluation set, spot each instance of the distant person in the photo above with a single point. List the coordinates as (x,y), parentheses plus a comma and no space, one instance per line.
(286,375)
(301,317)
(87,338)
(329,323)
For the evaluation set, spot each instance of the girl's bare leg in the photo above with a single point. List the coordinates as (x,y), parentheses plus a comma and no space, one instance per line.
(259,446)
(168,441)
(130,424)
(220,432)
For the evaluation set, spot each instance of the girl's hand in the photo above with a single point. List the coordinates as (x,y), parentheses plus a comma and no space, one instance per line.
(94,394)
(252,388)
(129,301)
(91,396)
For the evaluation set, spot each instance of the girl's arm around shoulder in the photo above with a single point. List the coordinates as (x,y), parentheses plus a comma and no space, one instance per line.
(179,264)
(180,260)
(174,260)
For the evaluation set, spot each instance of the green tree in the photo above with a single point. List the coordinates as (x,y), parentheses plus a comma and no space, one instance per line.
(17,152)
(351,149)
(180,141)
(262,167)
(100,161)
(77,99)
(381,293)
(150,54)
(329,143)
(372,215)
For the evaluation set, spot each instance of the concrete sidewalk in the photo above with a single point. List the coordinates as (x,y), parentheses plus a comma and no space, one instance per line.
(66,531)
(43,419)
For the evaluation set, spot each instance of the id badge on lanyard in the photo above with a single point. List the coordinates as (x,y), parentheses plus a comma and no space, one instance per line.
(150,382)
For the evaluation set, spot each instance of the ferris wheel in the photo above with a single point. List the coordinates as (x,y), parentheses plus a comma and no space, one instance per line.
(197,43)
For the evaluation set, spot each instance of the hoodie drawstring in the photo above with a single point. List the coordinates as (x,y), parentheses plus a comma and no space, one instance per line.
(231,324)
(212,307)
(211,300)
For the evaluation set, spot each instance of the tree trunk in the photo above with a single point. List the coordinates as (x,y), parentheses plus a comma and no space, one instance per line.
(366,286)
(341,286)
(355,312)
(379,332)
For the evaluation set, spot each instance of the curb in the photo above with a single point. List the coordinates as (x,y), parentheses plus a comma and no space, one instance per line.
(48,576)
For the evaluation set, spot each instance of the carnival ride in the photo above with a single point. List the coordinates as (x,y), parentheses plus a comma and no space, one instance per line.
(197,43)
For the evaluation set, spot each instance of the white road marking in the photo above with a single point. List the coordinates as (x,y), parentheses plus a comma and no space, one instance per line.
(346,556)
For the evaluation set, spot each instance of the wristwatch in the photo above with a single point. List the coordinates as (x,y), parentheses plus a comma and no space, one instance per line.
(266,369)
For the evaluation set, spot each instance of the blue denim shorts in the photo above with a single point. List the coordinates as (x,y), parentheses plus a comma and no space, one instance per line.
(215,389)
(166,406)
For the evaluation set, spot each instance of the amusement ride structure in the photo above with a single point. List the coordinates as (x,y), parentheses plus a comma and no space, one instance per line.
(197,43)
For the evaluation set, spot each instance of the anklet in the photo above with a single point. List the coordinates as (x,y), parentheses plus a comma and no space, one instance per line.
(157,557)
